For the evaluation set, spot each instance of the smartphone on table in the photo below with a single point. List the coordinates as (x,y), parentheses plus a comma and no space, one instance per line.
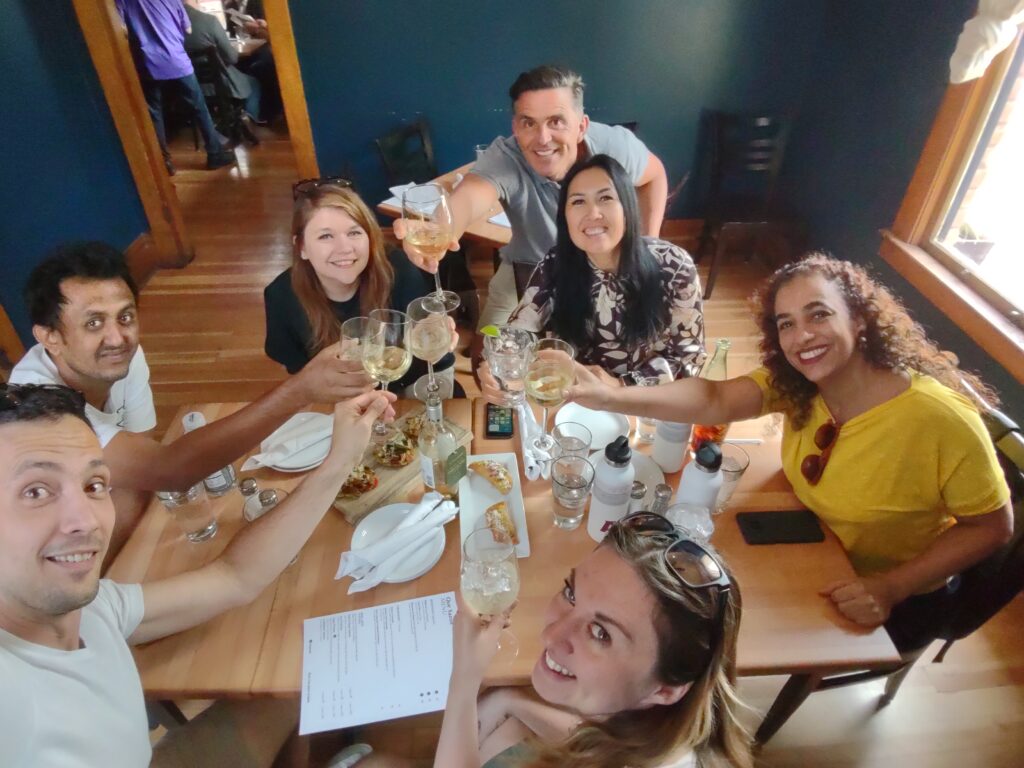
(795,526)
(499,422)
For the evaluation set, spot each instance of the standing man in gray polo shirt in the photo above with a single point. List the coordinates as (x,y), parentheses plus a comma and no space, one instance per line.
(550,132)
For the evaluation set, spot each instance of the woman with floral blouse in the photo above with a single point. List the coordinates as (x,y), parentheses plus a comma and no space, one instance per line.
(630,305)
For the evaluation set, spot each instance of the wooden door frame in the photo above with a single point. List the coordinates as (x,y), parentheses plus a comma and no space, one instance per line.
(167,244)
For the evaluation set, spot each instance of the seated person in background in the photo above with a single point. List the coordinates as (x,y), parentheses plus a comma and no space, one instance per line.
(340,269)
(207,33)
(524,172)
(83,304)
(628,304)
(637,668)
(65,633)
(879,439)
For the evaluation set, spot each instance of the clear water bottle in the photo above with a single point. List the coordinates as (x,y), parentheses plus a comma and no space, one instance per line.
(613,482)
(219,482)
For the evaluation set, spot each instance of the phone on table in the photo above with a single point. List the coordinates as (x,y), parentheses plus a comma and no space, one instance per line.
(499,421)
(795,526)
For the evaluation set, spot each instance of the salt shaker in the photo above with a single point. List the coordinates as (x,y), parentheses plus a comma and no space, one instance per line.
(662,495)
(636,497)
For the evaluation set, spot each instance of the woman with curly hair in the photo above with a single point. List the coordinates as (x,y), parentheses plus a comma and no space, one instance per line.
(636,668)
(880,439)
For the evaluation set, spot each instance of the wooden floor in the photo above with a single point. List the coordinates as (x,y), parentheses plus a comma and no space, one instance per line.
(202,329)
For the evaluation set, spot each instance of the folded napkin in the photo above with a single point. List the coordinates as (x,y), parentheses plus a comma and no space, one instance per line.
(536,462)
(371,565)
(297,434)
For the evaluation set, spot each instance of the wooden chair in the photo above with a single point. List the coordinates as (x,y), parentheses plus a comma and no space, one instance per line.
(11,348)
(984,590)
(408,153)
(743,159)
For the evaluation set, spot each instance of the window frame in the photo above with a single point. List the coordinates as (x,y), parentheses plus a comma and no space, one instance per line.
(987,317)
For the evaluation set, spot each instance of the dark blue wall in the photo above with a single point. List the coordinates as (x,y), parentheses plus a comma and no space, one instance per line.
(63,174)
(367,67)
(879,80)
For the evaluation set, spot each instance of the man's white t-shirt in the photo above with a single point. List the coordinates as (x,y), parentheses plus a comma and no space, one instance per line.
(77,709)
(129,406)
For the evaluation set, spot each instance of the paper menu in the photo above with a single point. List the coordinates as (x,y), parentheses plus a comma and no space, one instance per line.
(376,663)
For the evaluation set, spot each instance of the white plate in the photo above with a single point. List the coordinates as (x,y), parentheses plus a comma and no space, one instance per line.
(310,457)
(644,470)
(382,521)
(476,494)
(604,426)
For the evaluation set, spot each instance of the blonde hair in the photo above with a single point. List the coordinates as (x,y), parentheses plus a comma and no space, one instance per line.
(376,280)
(705,719)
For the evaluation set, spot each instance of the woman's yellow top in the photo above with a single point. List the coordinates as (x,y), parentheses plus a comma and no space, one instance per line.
(899,473)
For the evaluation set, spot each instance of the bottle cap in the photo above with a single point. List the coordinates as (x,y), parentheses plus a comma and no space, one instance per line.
(248,486)
(617,452)
(709,457)
(639,490)
(268,498)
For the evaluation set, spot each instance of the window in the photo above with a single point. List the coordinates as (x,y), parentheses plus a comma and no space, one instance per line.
(959,234)
(981,235)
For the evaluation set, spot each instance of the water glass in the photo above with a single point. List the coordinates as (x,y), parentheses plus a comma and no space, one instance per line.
(735,461)
(507,355)
(192,511)
(572,479)
(646,427)
(694,520)
(479,149)
(572,439)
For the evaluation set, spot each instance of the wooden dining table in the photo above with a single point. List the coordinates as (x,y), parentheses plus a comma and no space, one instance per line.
(256,650)
(482,230)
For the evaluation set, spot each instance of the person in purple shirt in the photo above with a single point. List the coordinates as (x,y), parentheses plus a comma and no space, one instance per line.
(156,31)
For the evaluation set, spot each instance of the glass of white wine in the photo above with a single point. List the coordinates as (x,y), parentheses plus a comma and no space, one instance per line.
(386,356)
(430,337)
(490,581)
(428,229)
(549,375)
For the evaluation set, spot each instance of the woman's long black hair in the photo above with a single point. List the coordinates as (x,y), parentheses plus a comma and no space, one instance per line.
(646,312)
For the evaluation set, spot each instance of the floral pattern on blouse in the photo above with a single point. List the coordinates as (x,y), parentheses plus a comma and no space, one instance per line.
(680,345)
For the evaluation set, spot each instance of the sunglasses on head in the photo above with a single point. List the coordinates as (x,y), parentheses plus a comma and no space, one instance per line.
(690,562)
(306,186)
(813,466)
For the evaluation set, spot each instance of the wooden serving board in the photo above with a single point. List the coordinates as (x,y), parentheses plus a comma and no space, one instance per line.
(393,482)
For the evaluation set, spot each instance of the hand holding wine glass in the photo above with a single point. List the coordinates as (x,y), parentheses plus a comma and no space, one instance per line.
(489,581)
(427,231)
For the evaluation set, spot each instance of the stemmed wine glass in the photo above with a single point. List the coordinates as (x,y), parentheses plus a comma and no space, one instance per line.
(353,331)
(489,581)
(430,338)
(549,376)
(386,356)
(428,229)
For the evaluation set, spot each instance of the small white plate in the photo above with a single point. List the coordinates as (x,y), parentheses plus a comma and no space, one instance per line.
(644,470)
(603,425)
(310,457)
(382,521)
(476,494)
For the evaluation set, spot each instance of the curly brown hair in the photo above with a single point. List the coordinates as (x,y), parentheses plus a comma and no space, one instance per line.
(891,339)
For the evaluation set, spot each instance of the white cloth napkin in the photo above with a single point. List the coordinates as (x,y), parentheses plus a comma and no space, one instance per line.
(536,463)
(297,434)
(370,566)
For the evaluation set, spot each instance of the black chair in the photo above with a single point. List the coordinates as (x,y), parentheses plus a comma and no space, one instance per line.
(742,161)
(227,112)
(408,153)
(984,590)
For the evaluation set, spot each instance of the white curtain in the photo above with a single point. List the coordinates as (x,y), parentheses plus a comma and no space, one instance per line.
(984,37)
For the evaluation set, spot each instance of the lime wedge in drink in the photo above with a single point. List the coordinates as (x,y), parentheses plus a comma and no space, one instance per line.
(490,330)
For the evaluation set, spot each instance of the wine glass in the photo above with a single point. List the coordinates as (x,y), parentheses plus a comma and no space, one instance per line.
(430,337)
(548,378)
(507,354)
(386,356)
(428,229)
(353,331)
(489,580)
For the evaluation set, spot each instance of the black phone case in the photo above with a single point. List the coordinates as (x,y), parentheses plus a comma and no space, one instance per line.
(798,526)
(499,421)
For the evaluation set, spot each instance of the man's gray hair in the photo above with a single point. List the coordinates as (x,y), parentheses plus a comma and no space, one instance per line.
(548,76)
